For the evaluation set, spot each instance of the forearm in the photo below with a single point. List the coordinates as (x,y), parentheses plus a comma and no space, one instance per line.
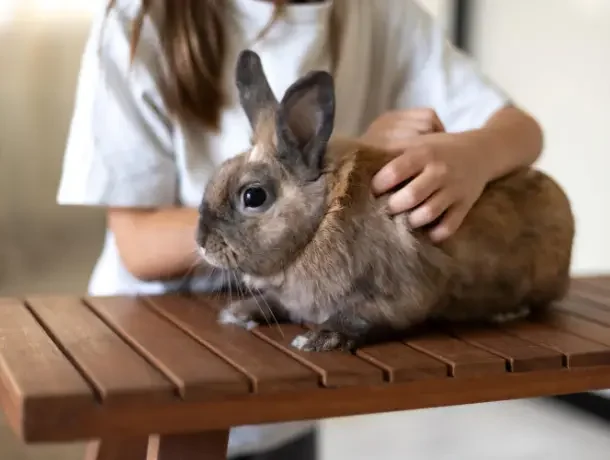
(156,244)
(509,140)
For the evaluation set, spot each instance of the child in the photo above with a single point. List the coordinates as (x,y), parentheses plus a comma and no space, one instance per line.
(156,112)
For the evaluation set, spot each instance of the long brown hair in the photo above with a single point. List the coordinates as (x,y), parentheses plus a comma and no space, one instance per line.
(193,36)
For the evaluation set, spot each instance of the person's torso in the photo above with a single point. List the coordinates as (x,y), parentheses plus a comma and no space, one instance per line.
(298,42)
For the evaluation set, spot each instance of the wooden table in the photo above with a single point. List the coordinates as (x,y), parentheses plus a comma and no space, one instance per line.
(120,369)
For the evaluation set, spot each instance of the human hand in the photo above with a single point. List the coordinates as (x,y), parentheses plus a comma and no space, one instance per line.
(391,130)
(447,173)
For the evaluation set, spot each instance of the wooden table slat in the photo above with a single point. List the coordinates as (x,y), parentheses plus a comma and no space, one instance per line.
(208,445)
(465,360)
(312,404)
(521,355)
(602,282)
(336,369)
(198,372)
(585,308)
(403,363)
(269,368)
(119,373)
(34,372)
(578,326)
(590,297)
(578,352)
(118,449)
(585,288)
(130,350)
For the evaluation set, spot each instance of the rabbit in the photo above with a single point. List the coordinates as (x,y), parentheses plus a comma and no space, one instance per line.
(295,217)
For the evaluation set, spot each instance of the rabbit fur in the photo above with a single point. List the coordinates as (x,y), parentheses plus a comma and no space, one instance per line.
(295,218)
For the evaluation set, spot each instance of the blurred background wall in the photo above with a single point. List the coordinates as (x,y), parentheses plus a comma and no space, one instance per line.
(553,57)
(550,55)
(44,247)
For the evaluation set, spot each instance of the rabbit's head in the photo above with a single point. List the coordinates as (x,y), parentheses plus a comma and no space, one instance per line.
(262,207)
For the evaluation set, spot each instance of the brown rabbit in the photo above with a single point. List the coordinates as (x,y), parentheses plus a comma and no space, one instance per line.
(296,218)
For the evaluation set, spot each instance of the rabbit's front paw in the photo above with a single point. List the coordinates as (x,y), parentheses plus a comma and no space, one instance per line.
(239,313)
(323,341)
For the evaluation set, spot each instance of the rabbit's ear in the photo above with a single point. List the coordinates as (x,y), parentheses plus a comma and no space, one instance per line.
(255,94)
(305,122)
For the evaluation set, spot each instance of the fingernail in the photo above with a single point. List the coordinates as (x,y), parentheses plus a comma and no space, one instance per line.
(438,234)
(378,181)
(413,222)
(391,206)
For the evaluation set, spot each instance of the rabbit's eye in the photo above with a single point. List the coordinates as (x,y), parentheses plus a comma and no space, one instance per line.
(254,197)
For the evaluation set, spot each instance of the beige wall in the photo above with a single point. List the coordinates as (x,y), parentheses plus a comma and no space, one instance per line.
(45,247)
(441,9)
(553,56)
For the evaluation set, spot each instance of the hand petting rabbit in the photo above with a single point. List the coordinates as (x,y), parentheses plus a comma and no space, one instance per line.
(296,218)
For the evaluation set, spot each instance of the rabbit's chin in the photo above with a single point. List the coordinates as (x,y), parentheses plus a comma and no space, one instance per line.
(214,260)
(263,282)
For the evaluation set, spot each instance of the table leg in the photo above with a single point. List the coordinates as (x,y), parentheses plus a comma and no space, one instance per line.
(207,445)
(118,449)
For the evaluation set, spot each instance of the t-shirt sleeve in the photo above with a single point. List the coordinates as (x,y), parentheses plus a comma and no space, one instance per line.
(119,149)
(434,73)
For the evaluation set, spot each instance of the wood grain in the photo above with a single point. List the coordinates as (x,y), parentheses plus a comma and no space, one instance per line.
(196,371)
(578,352)
(521,355)
(592,288)
(464,360)
(565,351)
(335,368)
(208,445)
(403,363)
(601,298)
(600,283)
(578,326)
(119,373)
(118,449)
(313,404)
(35,376)
(268,368)
(584,308)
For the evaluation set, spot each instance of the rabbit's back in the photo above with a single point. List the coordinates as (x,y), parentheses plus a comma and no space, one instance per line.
(513,249)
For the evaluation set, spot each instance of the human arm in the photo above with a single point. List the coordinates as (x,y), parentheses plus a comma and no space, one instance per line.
(450,170)
(156,244)
(483,136)
(120,153)
(510,139)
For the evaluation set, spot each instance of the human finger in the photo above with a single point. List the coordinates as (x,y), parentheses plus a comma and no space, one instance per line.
(394,138)
(425,115)
(396,171)
(450,223)
(431,209)
(415,192)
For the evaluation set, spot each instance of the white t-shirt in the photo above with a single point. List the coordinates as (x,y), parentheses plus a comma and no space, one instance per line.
(124,150)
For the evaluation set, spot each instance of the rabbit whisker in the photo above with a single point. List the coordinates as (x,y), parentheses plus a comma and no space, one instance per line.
(268,308)
(263,311)
(240,293)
